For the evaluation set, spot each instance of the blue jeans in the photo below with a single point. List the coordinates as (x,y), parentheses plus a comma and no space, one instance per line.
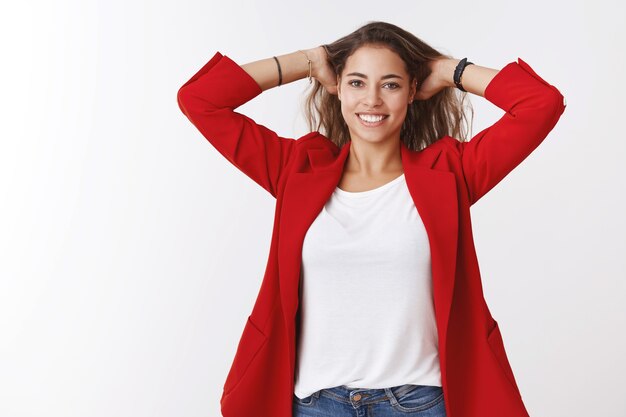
(398,401)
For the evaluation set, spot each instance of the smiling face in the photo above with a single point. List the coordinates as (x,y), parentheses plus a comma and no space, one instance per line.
(375,82)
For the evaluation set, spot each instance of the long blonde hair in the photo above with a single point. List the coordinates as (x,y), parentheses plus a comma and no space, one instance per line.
(426,120)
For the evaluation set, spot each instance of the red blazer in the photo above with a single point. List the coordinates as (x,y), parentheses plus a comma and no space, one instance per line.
(444,180)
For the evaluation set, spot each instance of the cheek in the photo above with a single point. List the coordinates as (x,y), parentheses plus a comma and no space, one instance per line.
(348,116)
(348,106)
(400,108)
(344,111)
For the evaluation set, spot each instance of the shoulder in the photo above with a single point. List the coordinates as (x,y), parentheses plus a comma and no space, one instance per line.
(447,154)
(315,139)
(448,144)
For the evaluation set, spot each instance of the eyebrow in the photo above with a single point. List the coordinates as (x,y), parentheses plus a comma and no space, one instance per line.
(384,77)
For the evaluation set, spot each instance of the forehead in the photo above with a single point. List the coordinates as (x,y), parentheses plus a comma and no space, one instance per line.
(375,60)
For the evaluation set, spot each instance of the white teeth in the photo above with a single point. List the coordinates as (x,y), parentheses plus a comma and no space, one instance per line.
(370,119)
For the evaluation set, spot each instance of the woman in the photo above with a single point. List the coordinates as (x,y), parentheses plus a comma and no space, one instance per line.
(371,303)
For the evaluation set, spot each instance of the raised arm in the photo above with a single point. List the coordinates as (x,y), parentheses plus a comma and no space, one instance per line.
(294,66)
(532,108)
(475,78)
(211,95)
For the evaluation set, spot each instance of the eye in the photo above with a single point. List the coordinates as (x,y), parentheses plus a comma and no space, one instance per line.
(394,85)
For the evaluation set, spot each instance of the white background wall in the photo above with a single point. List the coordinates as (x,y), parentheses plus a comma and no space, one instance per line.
(122,231)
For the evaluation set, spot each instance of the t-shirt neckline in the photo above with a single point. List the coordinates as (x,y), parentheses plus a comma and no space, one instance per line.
(369,192)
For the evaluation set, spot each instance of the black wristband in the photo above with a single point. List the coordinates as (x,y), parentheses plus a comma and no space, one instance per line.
(459,71)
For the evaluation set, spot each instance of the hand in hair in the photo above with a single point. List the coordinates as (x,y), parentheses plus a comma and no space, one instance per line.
(435,81)
(323,72)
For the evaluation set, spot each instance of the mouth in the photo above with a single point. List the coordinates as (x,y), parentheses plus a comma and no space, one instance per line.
(372,120)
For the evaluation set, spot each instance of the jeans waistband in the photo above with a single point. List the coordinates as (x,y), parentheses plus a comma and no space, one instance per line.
(366,395)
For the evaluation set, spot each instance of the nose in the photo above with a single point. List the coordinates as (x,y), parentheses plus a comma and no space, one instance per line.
(372,97)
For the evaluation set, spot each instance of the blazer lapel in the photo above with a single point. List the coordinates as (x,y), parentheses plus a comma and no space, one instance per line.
(310,186)
(435,196)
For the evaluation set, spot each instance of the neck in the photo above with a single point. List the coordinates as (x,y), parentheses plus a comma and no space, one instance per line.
(371,159)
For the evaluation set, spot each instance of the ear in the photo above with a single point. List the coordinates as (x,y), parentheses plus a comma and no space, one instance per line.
(413,91)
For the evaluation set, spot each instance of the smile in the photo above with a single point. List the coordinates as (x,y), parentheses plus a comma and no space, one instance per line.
(372,120)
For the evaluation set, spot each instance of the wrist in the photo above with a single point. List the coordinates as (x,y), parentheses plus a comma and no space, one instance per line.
(445,69)
(317,56)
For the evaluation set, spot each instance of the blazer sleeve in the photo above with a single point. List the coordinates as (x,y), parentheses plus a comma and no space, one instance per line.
(209,99)
(532,108)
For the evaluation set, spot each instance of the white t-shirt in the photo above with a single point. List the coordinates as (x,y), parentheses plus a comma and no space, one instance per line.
(367,316)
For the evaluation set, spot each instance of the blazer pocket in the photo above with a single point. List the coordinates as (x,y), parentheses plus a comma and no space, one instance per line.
(251,341)
(494,339)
